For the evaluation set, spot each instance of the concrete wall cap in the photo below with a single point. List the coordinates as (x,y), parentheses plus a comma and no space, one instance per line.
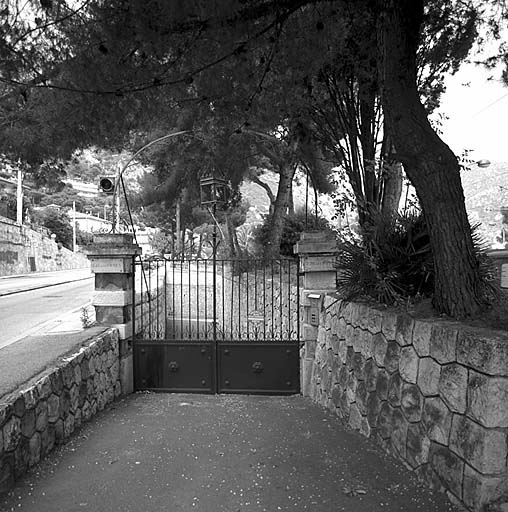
(109,251)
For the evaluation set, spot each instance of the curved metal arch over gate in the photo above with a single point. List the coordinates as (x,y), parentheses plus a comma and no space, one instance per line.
(229,326)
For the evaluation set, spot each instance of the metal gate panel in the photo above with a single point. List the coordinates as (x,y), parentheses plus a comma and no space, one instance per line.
(174,366)
(228,326)
(257,367)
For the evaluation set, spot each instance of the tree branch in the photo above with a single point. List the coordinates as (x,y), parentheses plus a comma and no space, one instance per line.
(265,186)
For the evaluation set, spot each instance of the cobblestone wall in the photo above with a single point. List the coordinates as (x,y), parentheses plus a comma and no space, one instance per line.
(44,413)
(433,393)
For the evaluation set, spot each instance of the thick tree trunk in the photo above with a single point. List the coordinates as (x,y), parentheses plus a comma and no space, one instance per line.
(291,201)
(429,163)
(392,189)
(272,249)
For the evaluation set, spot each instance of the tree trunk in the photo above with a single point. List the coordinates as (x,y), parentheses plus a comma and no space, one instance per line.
(199,252)
(233,245)
(429,163)
(272,249)
(392,189)
(291,201)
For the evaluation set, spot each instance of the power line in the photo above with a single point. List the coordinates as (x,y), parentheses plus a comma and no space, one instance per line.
(490,104)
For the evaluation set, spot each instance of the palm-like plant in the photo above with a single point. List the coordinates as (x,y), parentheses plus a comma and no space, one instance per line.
(393,262)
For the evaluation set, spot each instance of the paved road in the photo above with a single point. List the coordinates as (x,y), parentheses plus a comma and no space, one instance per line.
(24,313)
(16,284)
(222,453)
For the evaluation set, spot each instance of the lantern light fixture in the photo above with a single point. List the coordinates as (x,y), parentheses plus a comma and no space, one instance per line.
(214,190)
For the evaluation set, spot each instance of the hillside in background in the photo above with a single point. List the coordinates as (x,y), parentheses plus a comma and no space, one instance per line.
(486,192)
(259,203)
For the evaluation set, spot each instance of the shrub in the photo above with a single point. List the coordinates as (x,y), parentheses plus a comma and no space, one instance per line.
(393,262)
(57,222)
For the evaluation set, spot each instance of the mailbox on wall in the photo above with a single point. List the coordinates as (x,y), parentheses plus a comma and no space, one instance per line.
(500,260)
(312,307)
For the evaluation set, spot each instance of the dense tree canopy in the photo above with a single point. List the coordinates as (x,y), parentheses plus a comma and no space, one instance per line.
(333,81)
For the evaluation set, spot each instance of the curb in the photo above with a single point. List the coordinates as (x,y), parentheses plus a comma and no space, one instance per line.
(45,273)
(48,326)
(35,287)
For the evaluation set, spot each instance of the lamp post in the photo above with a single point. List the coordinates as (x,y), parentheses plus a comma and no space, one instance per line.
(214,191)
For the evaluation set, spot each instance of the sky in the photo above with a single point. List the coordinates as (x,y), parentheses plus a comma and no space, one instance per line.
(477,114)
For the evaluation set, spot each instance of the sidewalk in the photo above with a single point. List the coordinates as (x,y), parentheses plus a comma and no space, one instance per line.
(36,350)
(26,358)
(214,453)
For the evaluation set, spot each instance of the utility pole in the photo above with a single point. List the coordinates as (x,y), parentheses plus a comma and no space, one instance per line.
(73,226)
(116,206)
(19,198)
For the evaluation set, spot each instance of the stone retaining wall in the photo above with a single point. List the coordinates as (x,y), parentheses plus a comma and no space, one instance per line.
(149,310)
(46,411)
(433,393)
(23,250)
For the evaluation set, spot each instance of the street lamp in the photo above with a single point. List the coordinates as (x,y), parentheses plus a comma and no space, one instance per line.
(213,191)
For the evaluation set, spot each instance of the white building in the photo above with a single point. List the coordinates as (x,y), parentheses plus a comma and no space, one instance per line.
(90,223)
(84,189)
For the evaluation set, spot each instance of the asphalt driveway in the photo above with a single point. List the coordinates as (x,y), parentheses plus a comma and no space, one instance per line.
(180,452)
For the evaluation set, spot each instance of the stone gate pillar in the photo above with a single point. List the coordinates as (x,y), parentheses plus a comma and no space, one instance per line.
(111,262)
(317,251)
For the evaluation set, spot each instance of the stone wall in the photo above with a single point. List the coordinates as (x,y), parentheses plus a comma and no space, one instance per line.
(48,409)
(149,309)
(23,250)
(433,393)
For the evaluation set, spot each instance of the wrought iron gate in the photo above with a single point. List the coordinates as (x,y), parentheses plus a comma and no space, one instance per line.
(229,326)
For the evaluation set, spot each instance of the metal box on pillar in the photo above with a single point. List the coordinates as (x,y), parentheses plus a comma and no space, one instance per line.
(500,260)
(111,258)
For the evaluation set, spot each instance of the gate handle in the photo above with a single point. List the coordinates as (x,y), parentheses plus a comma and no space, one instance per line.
(257,367)
(173,366)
